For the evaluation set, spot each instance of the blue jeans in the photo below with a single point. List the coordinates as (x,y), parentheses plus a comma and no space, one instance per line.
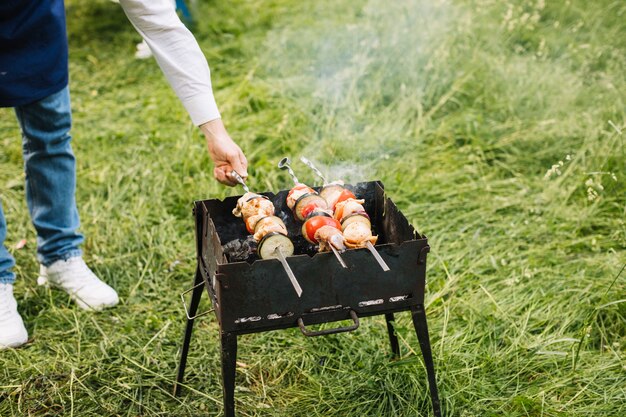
(50,182)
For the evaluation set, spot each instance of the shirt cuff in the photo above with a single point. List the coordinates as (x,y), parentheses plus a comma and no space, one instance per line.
(202,108)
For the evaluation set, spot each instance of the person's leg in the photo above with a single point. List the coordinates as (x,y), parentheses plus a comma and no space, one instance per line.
(12,330)
(6,259)
(51,176)
(50,193)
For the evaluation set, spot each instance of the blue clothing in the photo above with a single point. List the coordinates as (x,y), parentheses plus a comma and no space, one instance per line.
(6,260)
(33,50)
(50,182)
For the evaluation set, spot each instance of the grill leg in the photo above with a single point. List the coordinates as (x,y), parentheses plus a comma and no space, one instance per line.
(393,339)
(193,308)
(421,328)
(229,358)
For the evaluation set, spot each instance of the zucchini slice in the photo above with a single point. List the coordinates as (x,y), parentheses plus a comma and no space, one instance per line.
(272,241)
(306,204)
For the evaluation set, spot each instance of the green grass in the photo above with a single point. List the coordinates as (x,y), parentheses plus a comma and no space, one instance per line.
(459,107)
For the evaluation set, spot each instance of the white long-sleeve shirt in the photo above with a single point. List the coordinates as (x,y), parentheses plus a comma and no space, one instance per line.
(178,54)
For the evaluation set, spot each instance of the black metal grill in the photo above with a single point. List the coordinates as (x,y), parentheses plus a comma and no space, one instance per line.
(256,295)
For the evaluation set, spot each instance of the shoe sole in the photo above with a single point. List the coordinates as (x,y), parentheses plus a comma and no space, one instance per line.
(15,343)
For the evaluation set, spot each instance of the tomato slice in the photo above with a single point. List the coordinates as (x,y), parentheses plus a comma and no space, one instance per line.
(306,204)
(345,194)
(312,224)
(308,209)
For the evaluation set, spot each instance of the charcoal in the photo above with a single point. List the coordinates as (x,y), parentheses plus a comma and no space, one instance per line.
(238,250)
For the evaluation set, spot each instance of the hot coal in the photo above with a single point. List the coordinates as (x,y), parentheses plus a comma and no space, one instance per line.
(238,250)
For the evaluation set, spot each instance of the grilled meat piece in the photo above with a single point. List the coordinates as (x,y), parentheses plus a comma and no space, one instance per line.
(345,208)
(358,233)
(267,225)
(329,235)
(243,201)
(251,204)
(296,192)
(259,205)
(334,193)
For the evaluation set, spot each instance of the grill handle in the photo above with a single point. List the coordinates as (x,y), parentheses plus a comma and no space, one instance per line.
(182,297)
(308,333)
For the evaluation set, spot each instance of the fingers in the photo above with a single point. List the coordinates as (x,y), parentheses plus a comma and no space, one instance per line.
(243,161)
(228,157)
(239,163)
(222,174)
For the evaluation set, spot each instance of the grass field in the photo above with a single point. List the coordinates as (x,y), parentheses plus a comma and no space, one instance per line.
(497,127)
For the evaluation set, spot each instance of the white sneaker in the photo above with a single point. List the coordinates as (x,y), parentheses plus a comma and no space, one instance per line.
(12,330)
(143,51)
(75,278)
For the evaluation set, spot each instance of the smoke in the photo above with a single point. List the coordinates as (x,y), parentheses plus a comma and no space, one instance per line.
(363,76)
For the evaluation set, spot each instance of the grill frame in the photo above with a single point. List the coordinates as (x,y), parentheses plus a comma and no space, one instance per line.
(255,297)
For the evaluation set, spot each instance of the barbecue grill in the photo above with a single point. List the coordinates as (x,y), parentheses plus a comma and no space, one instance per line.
(255,295)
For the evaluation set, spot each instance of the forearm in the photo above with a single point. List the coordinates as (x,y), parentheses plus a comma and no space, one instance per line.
(177,53)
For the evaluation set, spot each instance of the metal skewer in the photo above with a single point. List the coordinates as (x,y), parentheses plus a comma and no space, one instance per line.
(239,179)
(339,258)
(377,256)
(368,244)
(285,163)
(279,254)
(292,277)
(314,168)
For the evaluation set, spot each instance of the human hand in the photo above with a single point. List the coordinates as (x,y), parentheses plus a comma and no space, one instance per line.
(224,152)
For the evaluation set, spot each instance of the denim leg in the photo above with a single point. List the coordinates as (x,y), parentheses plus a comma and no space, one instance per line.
(6,260)
(51,176)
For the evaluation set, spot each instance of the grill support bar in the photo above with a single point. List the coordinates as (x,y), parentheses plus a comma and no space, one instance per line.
(229,354)
(229,363)
(193,309)
(393,338)
(421,328)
